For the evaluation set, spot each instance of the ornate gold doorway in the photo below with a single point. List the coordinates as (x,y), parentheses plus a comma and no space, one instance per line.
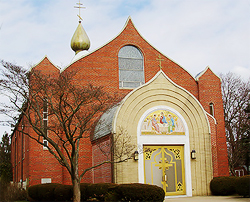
(164,167)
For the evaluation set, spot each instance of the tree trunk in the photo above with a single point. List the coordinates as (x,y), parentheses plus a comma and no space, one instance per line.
(75,178)
(76,189)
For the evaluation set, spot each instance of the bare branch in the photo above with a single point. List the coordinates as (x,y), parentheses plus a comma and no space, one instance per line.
(236,99)
(58,110)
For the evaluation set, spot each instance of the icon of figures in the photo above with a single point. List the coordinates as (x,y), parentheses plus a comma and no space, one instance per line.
(178,125)
(171,124)
(149,123)
(162,122)
(163,119)
(155,124)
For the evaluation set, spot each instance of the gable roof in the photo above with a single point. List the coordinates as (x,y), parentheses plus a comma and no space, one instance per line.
(128,22)
(203,72)
(43,59)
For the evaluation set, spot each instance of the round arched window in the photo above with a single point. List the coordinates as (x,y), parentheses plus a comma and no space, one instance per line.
(131,69)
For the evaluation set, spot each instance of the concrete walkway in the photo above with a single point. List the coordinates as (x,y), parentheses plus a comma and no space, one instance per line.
(208,199)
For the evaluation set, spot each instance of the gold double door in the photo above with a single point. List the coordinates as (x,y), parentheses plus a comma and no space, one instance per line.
(164,167)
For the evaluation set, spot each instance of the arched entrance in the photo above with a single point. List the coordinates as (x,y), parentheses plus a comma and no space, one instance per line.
(190,131)
(165,160)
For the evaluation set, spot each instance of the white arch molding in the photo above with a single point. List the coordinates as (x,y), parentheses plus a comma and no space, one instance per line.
(143,140)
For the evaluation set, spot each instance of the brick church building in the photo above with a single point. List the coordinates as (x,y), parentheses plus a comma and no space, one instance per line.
(178,117)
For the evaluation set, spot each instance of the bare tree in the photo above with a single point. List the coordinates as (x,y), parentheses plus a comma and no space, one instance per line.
(236,99)
(73,111)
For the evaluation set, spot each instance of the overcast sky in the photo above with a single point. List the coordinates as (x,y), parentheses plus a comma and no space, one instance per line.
(193,33)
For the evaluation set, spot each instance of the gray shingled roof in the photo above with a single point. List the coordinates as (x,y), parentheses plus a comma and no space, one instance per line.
(104,125)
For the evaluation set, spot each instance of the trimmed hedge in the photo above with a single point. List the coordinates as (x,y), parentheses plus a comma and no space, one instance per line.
(63,193)
(229,185)
(223,186)
(97,192)
(243,186)
(140,192)
(83,189)
(42,192)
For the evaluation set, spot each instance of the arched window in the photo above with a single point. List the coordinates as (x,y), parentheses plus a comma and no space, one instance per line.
(131,69)
(211,107)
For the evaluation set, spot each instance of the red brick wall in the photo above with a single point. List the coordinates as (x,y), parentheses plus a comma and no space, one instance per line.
(39,163)
(46,67)
(214,145)
(85,159)
(20,154)
(101,67)
(101,153)
(50,167)
(210,92)
(43,165)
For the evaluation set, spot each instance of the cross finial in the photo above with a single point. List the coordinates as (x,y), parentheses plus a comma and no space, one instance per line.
(159,59)
(79,6)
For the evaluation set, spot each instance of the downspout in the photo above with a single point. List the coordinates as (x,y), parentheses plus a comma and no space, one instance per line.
(22,157)
(15,161)
(112,158)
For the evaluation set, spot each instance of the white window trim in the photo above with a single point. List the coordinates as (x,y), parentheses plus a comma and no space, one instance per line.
(142,59)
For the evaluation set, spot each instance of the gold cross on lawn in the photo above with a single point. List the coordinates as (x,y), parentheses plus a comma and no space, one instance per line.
(159,59)
(79,6)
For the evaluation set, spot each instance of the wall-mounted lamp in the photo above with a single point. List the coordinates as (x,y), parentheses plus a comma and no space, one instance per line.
(193,154)
(136,155)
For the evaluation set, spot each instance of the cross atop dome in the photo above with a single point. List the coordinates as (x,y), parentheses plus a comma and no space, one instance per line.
(80,40)
(79,5)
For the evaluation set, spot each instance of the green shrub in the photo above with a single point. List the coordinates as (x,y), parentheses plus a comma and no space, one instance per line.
(63,193)
(99,190)
(223,186)
(112,196)
(243,186)
(140,192)
(42,192)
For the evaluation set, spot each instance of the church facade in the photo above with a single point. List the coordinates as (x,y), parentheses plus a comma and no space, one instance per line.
(175,120)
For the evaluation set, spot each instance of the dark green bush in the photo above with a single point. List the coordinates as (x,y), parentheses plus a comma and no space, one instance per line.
(99,190)
(55,192)
(63,193)
(140,192)
(243,186)
(112,196)
(33,192)
(223,186)
(83,188)
(42,192)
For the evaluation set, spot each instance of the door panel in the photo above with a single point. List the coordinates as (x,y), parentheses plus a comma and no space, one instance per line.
(164,166)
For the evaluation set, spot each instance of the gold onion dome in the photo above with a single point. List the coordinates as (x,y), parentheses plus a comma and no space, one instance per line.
(80,40)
